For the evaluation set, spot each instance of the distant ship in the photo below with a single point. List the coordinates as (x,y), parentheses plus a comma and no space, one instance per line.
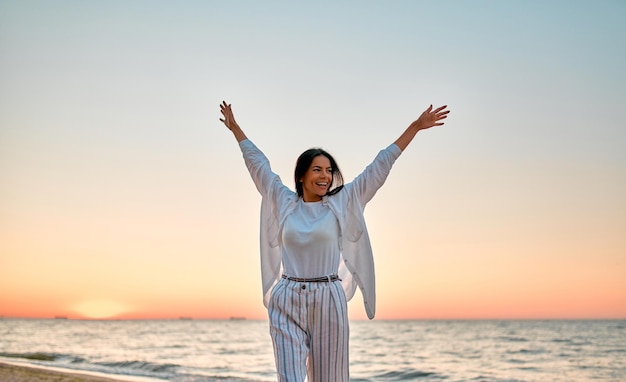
(233,318)
(185,318)
(60,317)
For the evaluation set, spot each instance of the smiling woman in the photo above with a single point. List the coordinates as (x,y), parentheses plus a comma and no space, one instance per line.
(99,309)
(306,264)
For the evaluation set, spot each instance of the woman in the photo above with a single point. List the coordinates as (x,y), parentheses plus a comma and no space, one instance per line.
(315,251)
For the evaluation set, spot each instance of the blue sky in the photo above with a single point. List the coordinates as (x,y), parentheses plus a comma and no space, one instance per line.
(111,147)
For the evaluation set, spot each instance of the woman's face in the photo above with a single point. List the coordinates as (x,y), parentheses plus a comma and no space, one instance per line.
(317,179)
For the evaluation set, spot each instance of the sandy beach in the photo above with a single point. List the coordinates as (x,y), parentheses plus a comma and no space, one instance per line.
(14,373)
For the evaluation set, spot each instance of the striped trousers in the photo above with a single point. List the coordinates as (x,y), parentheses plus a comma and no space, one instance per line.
(310,331)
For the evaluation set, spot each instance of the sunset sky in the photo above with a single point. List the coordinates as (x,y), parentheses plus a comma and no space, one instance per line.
(123,196)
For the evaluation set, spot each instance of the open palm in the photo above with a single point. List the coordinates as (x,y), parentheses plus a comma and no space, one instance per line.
(430,117)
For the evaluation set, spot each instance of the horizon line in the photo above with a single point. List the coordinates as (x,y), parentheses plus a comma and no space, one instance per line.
(241,318)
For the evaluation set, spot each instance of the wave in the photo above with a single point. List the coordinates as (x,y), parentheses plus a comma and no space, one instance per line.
(526,351)
(30,356)
(512,339)
(614,351)
(42,356)
(407,375)
(133,368)
(141,367)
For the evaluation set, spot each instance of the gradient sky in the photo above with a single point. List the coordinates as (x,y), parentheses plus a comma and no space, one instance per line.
(122,195)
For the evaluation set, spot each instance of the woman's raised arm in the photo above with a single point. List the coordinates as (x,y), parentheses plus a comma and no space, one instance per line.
(428,119)
(229,121)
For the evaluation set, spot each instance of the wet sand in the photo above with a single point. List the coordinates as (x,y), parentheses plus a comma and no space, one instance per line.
(13,373)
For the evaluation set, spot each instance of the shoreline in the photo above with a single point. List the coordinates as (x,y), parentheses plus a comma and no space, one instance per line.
(21,372)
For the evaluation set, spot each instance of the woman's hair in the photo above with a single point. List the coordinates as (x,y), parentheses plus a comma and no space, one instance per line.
(304,162)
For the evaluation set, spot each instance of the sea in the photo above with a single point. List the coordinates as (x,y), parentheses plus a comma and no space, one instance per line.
(241,351)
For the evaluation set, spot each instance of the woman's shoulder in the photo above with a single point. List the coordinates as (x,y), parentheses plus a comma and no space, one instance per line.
(343,195)
(285,193)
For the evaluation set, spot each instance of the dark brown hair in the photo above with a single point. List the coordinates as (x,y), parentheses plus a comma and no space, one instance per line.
(304,162)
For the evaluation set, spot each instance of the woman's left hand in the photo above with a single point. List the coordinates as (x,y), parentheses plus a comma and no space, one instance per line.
(430,118)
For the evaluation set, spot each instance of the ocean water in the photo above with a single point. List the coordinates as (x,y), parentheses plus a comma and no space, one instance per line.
(241,350)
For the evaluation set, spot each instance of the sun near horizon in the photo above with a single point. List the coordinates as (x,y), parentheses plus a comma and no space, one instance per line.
(443,308)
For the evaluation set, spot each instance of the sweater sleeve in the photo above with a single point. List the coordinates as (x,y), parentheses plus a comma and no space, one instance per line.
(259,167)
(275,197)
(367,183)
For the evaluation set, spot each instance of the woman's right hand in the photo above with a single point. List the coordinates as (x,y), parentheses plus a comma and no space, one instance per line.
(229,121)
(229,118)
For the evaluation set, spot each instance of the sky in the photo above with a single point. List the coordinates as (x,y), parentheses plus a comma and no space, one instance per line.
(123,196)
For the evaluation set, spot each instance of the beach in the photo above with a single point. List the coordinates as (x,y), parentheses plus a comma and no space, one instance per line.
(14,373)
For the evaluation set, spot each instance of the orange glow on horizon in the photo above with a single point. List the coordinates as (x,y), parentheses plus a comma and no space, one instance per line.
(531,306)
